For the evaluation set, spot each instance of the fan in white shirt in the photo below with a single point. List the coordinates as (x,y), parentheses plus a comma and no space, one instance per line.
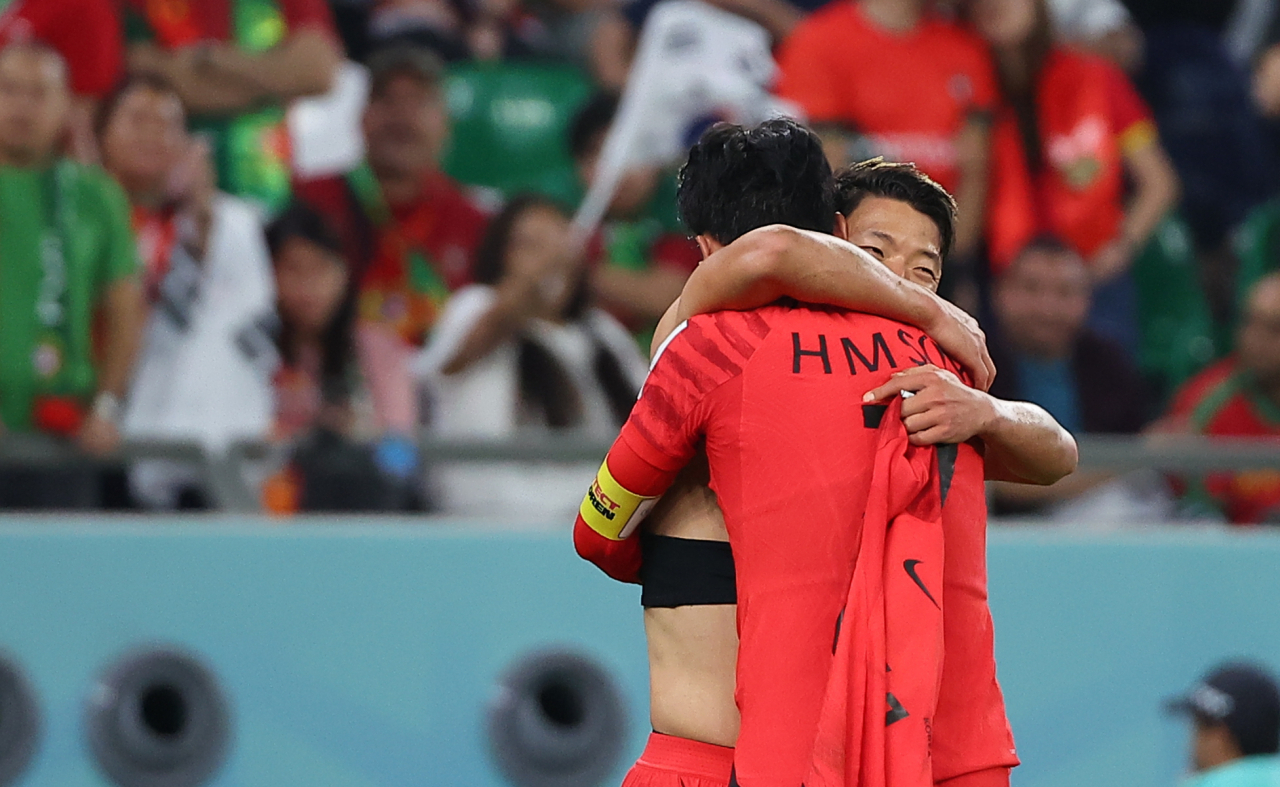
(522,352)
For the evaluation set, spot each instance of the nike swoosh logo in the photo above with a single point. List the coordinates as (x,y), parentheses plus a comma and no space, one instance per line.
(910,566)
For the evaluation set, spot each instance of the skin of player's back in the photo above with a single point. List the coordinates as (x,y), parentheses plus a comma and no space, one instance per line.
(693,650)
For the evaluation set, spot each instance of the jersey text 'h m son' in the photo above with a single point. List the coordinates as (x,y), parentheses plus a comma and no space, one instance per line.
(811,351)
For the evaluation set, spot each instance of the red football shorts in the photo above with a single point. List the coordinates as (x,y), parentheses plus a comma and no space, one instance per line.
(669,761)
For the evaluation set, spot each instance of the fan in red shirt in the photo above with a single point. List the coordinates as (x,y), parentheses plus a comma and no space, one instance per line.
(1070,130)
(1240,397)
(410,233)
(889,78)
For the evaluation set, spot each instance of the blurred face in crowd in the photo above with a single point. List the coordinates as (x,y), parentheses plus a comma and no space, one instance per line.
(406,125)
(1258,344)
(635,189)
(540,247)
(310,283)
(34,102)
(1004,23)
(1042,301)
(144,139)
(903,238)
(1212,745)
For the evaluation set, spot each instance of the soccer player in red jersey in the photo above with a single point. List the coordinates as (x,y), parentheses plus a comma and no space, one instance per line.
(850,353)
(906,221)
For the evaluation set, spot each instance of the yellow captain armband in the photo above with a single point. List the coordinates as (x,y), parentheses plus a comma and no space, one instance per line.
(611,509)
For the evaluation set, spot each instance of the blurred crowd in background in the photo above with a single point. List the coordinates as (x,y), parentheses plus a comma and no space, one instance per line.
(174,265)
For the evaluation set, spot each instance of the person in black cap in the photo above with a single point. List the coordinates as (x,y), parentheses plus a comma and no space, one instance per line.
(1236,710)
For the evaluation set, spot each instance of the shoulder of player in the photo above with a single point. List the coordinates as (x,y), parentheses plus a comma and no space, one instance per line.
(725,340)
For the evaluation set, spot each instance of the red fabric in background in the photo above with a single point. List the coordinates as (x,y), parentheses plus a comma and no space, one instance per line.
(85,32)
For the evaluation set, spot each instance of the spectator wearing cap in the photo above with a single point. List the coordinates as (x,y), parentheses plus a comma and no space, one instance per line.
(87,34)
(1236,713)
(408,231)
(645,258)
(1240,397)
(1047,355)
(237,64)
(67,257)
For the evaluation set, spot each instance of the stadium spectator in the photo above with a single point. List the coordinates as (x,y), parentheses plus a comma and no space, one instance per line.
(888,77)
(1047,355)
(237,64)
(87,35)
(1070,132)
(1236,735)
(646,258)
(66,257)
(553,364)
(343,382)
(1240,397)
(204,373)
(407,230)
(1101,26)
(1209,125)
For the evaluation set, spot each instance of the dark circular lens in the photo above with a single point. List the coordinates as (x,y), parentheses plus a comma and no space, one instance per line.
(164,710)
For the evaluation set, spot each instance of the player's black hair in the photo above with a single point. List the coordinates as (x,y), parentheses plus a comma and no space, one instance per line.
(737,179)
(902,182)
(545,385)
(142,80)
(591,122)
(337,340)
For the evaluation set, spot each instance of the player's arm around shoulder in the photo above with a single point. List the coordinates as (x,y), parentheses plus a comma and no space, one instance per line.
(1023,442)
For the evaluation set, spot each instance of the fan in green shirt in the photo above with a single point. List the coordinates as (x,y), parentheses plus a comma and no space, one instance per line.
(67,267)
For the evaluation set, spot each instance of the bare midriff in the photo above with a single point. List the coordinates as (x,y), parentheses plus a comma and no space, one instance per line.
(693,650)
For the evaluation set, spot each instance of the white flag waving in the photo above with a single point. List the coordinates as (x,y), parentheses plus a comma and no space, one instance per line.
(695,65)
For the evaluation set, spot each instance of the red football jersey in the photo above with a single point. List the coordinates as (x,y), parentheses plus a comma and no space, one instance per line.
(776,394)
(971,731)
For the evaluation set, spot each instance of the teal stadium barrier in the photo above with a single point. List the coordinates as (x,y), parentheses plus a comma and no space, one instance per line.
(366,654)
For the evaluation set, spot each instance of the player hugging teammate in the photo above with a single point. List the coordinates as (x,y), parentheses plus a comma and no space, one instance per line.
(797,526)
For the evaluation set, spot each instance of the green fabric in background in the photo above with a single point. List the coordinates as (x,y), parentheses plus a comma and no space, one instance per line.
(98,249)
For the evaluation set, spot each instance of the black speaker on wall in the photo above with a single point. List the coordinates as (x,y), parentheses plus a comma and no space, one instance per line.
(158,718)
(557,719)
(19,722)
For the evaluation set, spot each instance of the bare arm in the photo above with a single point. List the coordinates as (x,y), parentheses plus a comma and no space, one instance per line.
(1155,191)
(777,261)
(123,315)
(973,154)
(645,295)
(1023,442)
(517,302)
(303,65)
(220,79)
(777,16)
